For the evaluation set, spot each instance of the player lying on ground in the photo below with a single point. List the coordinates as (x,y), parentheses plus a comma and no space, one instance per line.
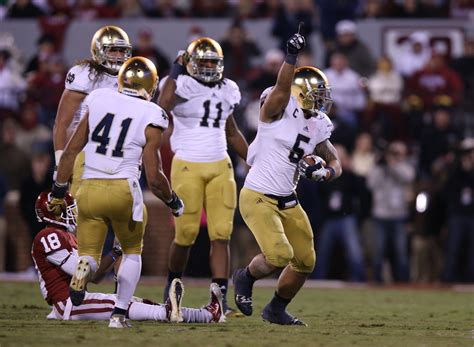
(54,253)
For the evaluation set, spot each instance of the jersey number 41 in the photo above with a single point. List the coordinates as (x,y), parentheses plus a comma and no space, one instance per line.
(102,131)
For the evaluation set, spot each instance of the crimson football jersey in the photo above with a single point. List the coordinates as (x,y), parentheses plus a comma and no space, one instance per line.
(54,282)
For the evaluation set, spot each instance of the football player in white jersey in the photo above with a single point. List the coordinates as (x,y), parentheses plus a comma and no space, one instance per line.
(116,131)
(202,103)
(292,140)
(110,47)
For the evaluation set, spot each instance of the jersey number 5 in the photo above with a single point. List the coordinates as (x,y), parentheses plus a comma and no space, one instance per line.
(207,109)
(297,152)
(102,131)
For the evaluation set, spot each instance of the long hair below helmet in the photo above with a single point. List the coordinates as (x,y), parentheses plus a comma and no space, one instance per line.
(138,77)
(104,40)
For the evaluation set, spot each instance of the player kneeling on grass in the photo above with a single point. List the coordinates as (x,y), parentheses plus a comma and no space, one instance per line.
(118,129)
(54,253)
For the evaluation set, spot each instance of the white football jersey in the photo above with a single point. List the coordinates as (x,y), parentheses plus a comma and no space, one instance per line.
(78,79)
(199,119)
(117,125)
(274,154)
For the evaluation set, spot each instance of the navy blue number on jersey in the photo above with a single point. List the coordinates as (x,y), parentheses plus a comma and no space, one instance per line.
(207,110)
(101,135)
(297,152)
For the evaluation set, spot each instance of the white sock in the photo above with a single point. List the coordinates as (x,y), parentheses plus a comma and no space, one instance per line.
(196,315)
(141,311)
(127,278)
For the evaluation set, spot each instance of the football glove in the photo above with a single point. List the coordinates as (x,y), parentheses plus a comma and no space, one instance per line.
(295,44)
(57,206)
(316,172)
(176,205)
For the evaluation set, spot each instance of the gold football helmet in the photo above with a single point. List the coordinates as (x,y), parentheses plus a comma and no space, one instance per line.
(206,60)
(311,89)
(104,40)
(138,77)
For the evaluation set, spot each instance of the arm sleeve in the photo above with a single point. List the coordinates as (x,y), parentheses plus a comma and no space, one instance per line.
(234,93)
(325,128)
(77,79)
(157,117)
(65,260)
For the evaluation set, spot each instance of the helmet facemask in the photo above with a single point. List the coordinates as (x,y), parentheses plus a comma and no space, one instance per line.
(111,59)
(200,69)
(205,60)
(68,219)
(311,89)
(318,99)
(110,47)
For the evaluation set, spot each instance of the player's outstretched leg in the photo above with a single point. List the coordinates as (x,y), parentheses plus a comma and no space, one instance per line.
(77,286)
(173,303)
(275,312)
(243,285)
(215,306)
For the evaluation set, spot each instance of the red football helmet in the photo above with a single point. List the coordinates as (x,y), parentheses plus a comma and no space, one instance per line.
(66,220)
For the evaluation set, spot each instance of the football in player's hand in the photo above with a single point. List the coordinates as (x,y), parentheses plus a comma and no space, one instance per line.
(312,159)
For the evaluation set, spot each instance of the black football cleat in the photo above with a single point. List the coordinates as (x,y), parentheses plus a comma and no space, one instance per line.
(280,317)
(243,291)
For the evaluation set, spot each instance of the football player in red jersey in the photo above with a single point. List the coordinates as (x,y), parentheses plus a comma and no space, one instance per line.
(54,253)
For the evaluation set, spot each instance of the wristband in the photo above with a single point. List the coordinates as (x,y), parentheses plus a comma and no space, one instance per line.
(57,156)
(331,172)
(59,190)
(172,200)
(176,70)
(291,58)
(113,255)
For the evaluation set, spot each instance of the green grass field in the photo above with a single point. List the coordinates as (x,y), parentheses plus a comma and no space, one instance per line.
(335,317)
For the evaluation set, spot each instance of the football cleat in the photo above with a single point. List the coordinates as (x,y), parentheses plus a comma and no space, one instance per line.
(280,317)
(173,303)
(232,312)
(77,286)
(118,321)
(243,291)
(215,306)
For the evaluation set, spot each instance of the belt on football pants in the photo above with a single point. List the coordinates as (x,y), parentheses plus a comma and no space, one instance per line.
(284,202)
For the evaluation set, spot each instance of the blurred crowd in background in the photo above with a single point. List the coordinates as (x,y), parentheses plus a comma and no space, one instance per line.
(402,211)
